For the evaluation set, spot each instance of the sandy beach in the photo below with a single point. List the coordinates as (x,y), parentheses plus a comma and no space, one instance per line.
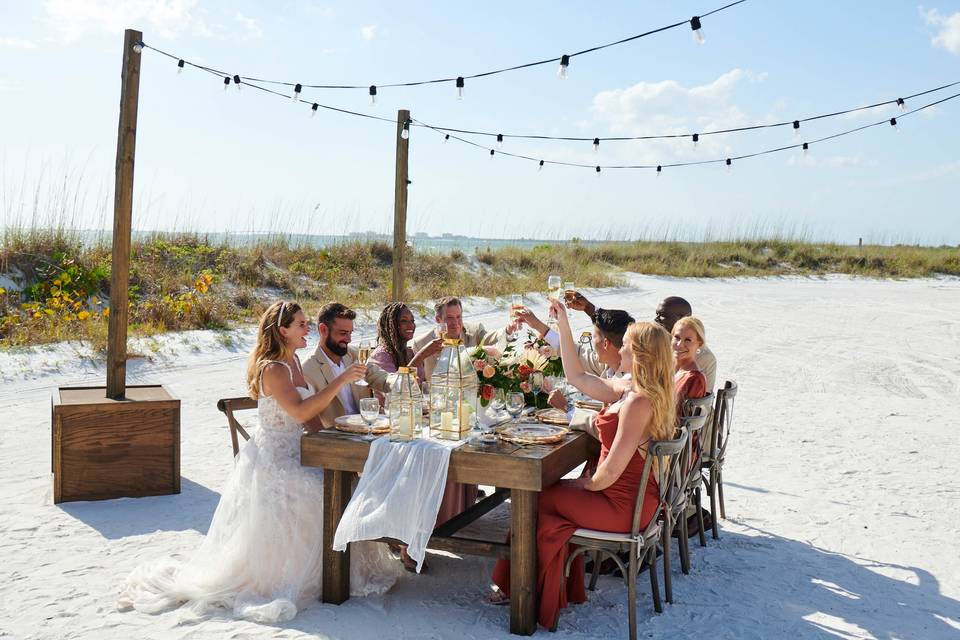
(841,484)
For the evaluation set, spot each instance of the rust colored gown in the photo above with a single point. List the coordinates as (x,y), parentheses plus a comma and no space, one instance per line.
(563,509)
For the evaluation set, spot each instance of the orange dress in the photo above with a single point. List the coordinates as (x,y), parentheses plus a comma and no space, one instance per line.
(689,386)
(564,508)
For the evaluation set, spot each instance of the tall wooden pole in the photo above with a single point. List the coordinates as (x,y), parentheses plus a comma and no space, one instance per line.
(400,207)
(122,213)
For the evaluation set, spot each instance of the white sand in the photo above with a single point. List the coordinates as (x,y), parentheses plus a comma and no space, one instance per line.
(842,484)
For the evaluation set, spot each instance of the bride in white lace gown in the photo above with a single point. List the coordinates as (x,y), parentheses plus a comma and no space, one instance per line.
(262,556)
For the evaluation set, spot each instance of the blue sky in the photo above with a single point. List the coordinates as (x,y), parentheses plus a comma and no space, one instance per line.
(214,161)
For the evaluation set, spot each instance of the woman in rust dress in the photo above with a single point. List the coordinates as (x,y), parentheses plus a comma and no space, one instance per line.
(638,410)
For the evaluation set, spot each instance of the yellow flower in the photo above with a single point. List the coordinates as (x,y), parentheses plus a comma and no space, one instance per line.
(106,312)
(94,300)
(2,291)
(58,282)
(83,315)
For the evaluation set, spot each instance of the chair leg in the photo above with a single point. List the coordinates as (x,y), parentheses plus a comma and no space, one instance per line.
(665,542)
(713,504)
(682,545)
(723,509)
(632,569)
(654,586)
(701,533)
(596,571)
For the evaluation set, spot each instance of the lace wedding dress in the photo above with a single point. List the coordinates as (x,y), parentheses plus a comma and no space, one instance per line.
(262,556)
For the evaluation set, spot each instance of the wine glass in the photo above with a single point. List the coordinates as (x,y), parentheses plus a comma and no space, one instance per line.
(569,293)
(515,404)
(442,330)
(363,354)
(369,411)
(536,382)
(499,400)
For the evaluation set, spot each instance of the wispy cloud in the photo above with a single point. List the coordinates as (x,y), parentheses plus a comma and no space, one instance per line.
(948,34)
(369,32)
(167,18)
(10,42)
(8,85)
(250,25)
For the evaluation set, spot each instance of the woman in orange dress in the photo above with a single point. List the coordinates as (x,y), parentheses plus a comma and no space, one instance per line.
(688,337)
(639,410)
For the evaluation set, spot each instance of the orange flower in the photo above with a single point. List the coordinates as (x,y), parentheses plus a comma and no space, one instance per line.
(489,371)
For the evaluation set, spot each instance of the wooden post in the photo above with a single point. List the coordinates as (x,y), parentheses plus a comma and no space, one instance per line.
(122,213)
(400,207)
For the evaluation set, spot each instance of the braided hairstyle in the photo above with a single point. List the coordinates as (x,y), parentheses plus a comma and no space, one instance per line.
(388,332)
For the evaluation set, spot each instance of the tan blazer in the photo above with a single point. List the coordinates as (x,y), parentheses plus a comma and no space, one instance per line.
(318,372)
(473,334)
(707,363)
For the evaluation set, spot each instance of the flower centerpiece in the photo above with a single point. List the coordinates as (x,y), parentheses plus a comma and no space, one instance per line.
(527,369)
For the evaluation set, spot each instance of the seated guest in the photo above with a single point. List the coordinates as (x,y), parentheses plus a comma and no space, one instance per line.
(334,356)
(688,340)
(449,312)
(668,312)
(639,410)
(395,329)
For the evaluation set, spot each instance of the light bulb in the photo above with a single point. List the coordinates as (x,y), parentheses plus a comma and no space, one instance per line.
(596,145)
(729,165)
(796,128)
(499,141)
(226,82)
(902,104)
(540,166)
(446,138)
(598,171)
(659,170)
(564,63)
(491,153)
(460,88)
(373,94)
(138,47)
(893,123)
(236,81)
(180,67)
(697,31)
(696,139)
(806,149)
(313,109)
(296,91)
(405,132)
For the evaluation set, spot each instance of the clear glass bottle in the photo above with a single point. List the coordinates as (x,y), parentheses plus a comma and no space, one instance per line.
(404,405)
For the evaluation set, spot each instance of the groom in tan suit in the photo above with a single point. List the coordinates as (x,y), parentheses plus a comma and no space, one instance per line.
(333,356)
(449,311)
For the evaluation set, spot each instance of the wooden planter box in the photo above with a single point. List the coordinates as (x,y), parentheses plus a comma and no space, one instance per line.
(105,448)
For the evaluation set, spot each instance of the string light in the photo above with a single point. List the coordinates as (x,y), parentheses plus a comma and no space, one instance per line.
(806,149)
(373,94)
(499,141)
(596,145)
(405,131)
(236,81)
(138,47)
(796,128)
(540,166)
(446,138)
(902,104)
(697,31)
(180,66)
(460,88)
(226,82)
(893,123)
(492,152)
(696,139)
(313,110)
(564,63)
(729,164)
(296,92)
(598,170)
(659,169)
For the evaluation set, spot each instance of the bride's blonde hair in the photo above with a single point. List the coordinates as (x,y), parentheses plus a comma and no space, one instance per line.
(653,375)
(270,343)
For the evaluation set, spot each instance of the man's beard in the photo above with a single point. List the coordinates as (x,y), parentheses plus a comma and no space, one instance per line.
(335,347)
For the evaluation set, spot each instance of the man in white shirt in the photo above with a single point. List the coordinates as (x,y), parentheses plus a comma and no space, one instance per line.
(333,356)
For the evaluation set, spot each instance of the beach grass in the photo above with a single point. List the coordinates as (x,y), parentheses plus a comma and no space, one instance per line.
(57,281)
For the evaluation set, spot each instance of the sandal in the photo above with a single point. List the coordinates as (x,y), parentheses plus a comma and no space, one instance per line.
(409,563)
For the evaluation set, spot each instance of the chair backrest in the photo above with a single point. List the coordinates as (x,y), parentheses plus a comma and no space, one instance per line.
(667,454)
(723,418)
(699,406)
(228,406)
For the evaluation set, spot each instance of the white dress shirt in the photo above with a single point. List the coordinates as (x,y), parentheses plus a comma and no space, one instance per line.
(346,397)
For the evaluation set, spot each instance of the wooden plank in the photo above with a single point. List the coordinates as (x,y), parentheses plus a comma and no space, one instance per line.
(464,546)
(122,216)
(400,207)
(523,562)
(472,514)
(336,564)
(69,396)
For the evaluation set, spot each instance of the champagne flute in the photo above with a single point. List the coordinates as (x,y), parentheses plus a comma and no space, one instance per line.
(363,354)
(442,330)
(369,411)
(515,404)
(569,293)
(553,293)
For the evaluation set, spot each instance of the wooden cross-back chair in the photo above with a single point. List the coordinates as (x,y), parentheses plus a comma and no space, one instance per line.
(639,545)
(714,457)
(228,406)
(699,407)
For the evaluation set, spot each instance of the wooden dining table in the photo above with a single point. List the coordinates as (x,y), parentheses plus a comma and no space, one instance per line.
(519,472)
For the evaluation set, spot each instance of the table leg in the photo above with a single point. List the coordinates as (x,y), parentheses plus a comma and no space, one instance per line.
(523,562)
(336,564)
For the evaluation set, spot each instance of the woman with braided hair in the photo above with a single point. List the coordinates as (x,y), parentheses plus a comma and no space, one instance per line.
(394,330)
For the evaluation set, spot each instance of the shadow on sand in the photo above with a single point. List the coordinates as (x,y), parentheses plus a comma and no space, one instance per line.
(192,508)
